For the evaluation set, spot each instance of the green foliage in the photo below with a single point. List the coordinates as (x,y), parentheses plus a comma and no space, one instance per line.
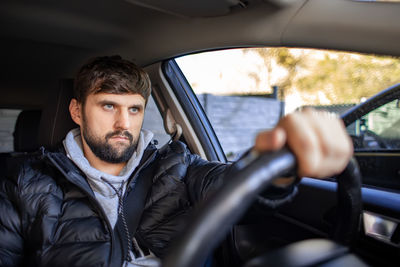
(345,78)
(341,77)
(283,57)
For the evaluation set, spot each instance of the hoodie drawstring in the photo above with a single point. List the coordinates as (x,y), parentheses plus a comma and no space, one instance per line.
(122,214)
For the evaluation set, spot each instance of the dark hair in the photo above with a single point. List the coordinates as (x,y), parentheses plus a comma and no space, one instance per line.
(111,75)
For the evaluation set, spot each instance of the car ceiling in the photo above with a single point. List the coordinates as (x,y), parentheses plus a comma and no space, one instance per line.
(43,41)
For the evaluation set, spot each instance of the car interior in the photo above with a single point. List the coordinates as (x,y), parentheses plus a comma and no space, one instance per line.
(329,223)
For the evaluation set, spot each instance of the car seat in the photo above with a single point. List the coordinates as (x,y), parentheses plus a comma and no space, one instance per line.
(26,131)
(56,121)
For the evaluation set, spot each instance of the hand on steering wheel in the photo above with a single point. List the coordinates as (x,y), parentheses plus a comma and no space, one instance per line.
(318,139)
(321,147)
(215,217)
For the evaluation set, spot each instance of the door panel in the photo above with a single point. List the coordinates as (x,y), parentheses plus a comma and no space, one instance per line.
(381,169)
(312,212)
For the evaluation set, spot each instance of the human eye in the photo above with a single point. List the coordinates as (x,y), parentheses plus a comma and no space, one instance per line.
(108,106)
(134,110)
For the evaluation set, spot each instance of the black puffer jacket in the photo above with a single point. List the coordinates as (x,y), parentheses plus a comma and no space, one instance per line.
(49,215)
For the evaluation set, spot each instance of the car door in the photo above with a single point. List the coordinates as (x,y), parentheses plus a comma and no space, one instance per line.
(312,212)
(374,127)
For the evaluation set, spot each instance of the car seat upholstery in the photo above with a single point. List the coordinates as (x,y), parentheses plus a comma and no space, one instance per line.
(26,131)
(25,142)
(56,120)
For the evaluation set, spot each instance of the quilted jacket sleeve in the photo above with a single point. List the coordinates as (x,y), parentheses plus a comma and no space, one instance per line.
(205,177)
(11,240)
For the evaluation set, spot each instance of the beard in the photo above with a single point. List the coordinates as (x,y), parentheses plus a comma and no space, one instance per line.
(106,151)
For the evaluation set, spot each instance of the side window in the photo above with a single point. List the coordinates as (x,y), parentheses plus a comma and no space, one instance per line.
(153,122)
(8,117)
(237,94)
(237,119)
(244,91)
(377,130)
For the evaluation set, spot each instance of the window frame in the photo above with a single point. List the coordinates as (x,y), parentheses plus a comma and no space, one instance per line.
(193,110)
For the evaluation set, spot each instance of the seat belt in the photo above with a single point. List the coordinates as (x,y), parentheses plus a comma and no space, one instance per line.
(133,208)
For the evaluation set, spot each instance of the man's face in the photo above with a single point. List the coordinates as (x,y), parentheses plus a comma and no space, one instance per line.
(111,125)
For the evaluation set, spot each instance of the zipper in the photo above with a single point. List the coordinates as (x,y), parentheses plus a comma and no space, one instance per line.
(133,177)
(129,187)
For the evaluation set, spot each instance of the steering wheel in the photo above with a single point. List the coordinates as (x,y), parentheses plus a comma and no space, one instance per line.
(254,174)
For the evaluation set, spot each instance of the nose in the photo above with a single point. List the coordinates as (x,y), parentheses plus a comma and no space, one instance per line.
(122,120)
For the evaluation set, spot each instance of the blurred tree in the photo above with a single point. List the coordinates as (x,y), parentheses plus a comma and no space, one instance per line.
(277,57)
(330,76)
(347,78)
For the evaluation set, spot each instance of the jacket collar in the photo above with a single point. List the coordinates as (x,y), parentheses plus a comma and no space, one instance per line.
(73,174)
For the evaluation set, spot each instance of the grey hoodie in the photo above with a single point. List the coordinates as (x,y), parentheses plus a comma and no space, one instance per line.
(104,193)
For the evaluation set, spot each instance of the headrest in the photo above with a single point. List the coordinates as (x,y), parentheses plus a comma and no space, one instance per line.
(26,131)
(56,121)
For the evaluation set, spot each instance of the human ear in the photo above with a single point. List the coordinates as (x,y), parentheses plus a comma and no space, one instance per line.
(75,109)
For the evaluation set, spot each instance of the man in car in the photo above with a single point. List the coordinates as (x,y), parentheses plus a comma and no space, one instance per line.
(74,207)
